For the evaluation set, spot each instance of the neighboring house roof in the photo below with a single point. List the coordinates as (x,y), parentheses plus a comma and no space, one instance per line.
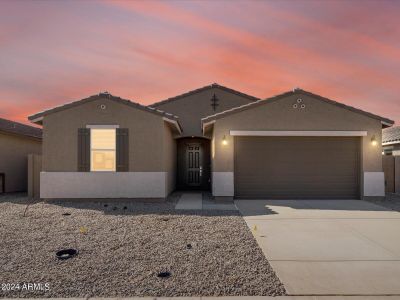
(204,88)
(37,118)
(208,119)
(391,135)
(20,129)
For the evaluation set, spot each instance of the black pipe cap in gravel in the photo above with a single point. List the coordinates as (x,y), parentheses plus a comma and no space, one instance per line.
(165,274)
(66,253)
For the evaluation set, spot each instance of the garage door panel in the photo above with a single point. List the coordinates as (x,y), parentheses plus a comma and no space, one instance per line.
(297,167)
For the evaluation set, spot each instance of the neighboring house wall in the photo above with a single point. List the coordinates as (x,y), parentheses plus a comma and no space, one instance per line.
(148,173)
(14,150)
(279,115)
(193,107)
(391,167)
(396,150)
(397,175)
(392,149)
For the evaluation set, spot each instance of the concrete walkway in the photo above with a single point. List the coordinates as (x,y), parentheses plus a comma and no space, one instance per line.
(196,201)
(328,247)
(190,201)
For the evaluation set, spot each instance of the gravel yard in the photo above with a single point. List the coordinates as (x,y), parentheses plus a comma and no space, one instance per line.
(122,248)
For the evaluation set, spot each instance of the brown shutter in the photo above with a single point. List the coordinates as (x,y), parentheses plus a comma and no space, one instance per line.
(83,149)
(122,149)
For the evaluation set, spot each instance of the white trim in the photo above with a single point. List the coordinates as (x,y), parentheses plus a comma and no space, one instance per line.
(37,120)
(387,124)
(207,124)
(391,143)
(295,133)
(173,122)
(102,126)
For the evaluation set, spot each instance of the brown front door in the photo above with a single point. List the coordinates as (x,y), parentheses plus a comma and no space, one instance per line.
(193,162)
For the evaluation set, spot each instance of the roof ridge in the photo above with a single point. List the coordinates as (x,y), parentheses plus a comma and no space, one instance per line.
(14,127)
(19,123)
(198,90)
(97,96)
(300,91)
(248,104)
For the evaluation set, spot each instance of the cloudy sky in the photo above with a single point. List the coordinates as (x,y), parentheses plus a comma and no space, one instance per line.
(52,52)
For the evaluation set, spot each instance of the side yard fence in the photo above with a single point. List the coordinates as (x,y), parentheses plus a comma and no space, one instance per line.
(34,168)
(391,168)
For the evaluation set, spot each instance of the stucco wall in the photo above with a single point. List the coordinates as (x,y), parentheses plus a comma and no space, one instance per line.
(60,135)
(170,156)
(14,152)
(192,108)
(95,185)
(281,115)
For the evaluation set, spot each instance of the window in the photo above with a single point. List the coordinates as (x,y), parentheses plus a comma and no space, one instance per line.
(102,150)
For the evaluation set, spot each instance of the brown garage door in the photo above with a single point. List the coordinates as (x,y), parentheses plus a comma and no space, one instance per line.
(297,167)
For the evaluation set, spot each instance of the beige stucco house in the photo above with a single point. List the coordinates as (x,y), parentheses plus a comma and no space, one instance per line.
(16,142)
(294,145)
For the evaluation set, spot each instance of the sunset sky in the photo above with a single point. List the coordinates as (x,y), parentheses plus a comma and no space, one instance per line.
(53,52)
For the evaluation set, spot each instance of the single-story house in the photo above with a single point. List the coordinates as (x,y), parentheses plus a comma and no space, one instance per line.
(16,142)
(391,141)
(294,145)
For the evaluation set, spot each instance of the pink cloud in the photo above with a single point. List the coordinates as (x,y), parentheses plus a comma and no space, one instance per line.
(147,51)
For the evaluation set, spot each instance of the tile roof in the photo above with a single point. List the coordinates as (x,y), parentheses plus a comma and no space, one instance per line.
(204,88)
(20,129)
(391,135)
(387,122)
(36,118)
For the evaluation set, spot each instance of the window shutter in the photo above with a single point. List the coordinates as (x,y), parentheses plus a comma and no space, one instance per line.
(122,149)
(83,149)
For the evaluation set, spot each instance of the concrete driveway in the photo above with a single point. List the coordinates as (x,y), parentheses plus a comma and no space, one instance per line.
(328,247)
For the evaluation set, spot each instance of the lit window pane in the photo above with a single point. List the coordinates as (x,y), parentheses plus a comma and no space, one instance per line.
(103,139)
(103,150)
(103,160)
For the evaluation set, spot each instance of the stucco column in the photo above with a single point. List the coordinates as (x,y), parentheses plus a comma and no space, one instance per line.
(222,162)
(373,180)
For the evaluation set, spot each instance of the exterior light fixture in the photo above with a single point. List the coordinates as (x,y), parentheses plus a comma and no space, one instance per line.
(224,141)
(374,142)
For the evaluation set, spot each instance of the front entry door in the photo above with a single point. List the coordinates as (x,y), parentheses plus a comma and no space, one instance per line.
(193,162)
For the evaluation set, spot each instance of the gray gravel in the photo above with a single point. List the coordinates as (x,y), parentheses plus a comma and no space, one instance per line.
(123,251)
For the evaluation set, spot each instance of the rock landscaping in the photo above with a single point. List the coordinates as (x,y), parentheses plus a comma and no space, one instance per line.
(129,249)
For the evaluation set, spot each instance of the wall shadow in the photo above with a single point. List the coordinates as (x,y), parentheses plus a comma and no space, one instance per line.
(252,207)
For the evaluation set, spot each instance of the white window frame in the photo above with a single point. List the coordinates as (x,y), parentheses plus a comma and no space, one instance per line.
(91,148)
